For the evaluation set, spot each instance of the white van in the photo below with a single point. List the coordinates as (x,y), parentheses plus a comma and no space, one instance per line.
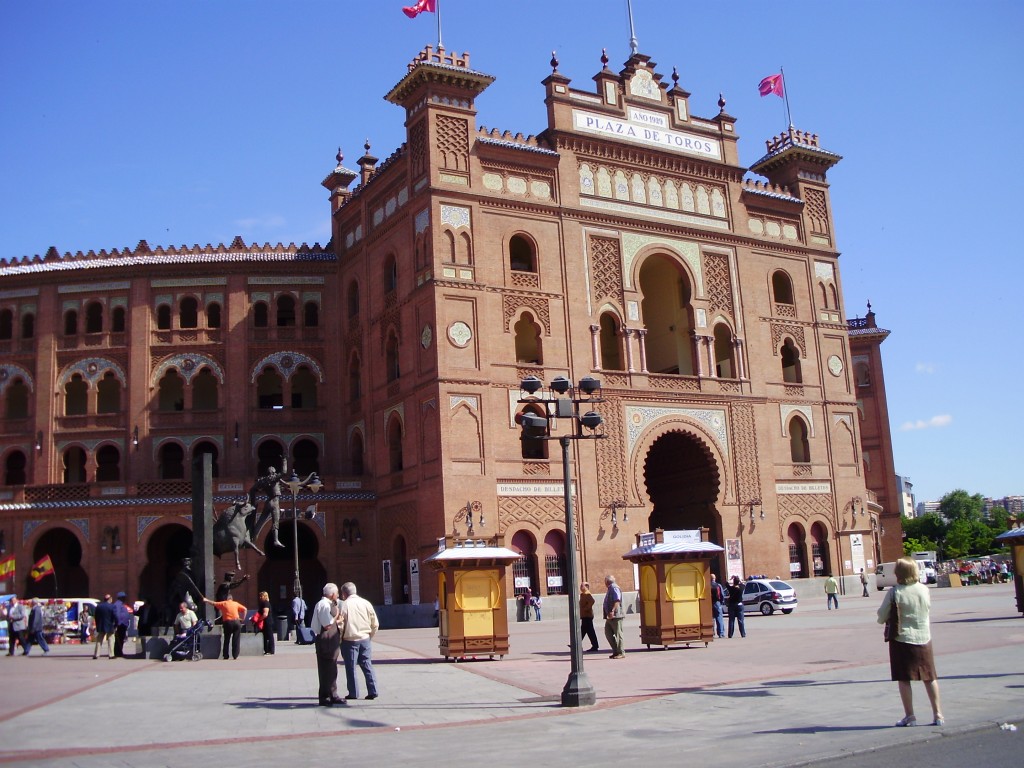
(885,576)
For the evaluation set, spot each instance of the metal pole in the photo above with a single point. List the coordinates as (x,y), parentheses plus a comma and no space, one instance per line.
(297,586)
(578,692)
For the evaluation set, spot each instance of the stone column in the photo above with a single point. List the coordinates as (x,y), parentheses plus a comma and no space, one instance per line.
(641,336)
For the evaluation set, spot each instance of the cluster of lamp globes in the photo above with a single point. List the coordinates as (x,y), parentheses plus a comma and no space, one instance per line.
(536,427)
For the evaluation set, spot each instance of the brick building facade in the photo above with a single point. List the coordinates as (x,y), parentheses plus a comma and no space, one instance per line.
(624,242)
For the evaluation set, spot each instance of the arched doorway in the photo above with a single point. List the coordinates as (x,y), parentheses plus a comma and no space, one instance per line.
(682,482)
(819,550)
(167,547)
(277,573)
(524,570)
(556,579)
(796,538)
(399,571)
(69,577)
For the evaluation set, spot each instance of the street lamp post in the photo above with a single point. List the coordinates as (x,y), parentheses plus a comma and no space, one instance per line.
(296,484)
(560,401)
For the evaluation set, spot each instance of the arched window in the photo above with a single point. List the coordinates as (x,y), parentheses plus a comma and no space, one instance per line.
(391,357)
(94,317)
(532,448)
(833,295)
(520,255)
(799,447)
(213,315)
(797,551)
(819,550)
(725,363)
(188,313)
(269,389)
(527,334)
(311,314)
(163,317)
(205,390)
(353,299)
(260,315)
(17,400)
(862,374)
(117,320)
(108,394)
(611,343)
(304,388)
(356,454)
(6,325)
(791,373)
(14,468)
(76,396)
(108,464)
(28,325)
(307,457)
(171,462)
(668,317)
(208,447)
(395,457)
(782,288)
(71,323)
(270,454)
(74,465)
(390,275)
(171,395)
(355,386)
(285,311)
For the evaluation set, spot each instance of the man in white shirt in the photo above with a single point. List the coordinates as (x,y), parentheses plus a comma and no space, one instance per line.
(359,625)
(327,641)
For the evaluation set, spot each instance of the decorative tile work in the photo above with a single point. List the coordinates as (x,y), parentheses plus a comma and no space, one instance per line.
(422,221)
(27,527)
(82,524)
(689,252)
(92,369)
(142,523)
(187,283)
(9,372)
(607,269)
(455,216)
(284,279)
(639,418)
(287,363)
(719,283)
(536,304)
(188,365)
(120,285)
(471,400)
(787,410)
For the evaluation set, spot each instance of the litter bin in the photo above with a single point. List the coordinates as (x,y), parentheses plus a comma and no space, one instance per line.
(282,628)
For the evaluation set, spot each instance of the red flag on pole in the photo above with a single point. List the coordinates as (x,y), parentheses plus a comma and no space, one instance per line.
(42,569)
(772,84)
(421,6)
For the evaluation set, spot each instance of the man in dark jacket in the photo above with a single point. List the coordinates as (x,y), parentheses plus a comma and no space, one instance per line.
(35,628)
(106,625)
(124,621)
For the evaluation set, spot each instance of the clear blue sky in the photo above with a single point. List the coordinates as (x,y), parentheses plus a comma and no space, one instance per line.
(192,121)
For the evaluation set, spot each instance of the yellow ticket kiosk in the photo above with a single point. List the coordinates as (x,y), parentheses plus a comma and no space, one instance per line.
(675,586)
(471,607)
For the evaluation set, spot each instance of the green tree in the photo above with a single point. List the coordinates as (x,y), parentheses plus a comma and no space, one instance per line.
(911,545)
(929,529)
(959,504)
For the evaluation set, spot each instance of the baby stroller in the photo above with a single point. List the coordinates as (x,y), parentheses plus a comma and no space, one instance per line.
(187,646)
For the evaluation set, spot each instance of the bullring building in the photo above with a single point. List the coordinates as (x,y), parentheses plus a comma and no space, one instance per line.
(623,242)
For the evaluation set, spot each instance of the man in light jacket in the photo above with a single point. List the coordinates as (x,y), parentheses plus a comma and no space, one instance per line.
(359,625)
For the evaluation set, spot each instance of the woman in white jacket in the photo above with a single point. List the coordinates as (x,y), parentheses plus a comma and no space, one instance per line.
(910,651)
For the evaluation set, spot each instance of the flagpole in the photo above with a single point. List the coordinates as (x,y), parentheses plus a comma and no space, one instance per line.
(439,43)
(634,46)
(785,92)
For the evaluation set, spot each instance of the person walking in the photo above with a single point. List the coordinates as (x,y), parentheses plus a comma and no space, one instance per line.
(327,643)
(864,582)
(359,624)
(17,623)
(536,606)
(735,602)
(106,624)
(266,624)
(910,650)
(613,616)
(124,621)
(831,592)
(587,616)
(717,606)
(232,613)
(298,613)
(36,632)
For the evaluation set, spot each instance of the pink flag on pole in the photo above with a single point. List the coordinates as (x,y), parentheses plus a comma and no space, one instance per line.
(421,6)
(772,84)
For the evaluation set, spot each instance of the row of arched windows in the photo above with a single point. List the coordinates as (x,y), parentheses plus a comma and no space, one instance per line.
(782,291)
(7,324)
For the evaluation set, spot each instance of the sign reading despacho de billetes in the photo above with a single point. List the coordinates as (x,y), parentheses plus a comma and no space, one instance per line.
(647,132)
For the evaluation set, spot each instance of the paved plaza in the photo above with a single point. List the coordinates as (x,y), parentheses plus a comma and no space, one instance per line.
(797,690)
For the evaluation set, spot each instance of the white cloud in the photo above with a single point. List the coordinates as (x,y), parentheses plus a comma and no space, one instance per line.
(942,420)
(928,368)
(273,221)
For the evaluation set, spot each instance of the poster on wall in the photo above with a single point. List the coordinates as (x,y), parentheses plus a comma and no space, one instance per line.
(414,581)
(386,570)
(734,558)
(857,551)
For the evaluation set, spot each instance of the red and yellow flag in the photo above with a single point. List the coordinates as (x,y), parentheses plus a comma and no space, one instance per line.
(7,567)
(420,6)
(42,569)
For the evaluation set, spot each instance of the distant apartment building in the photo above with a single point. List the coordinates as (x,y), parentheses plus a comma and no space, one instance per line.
(905,496)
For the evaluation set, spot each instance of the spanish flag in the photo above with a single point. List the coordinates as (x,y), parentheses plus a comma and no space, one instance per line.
(7,568)
(42,569)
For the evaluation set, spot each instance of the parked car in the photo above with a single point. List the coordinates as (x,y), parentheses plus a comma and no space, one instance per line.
(768,596)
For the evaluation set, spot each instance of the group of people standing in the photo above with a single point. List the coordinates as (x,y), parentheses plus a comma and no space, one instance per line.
(730,595)
(343,623)
(108,624)
(24,626)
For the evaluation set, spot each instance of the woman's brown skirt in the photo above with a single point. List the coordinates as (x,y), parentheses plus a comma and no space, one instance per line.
(911,662)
